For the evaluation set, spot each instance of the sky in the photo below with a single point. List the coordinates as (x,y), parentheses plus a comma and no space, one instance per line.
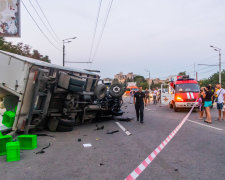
(163,36)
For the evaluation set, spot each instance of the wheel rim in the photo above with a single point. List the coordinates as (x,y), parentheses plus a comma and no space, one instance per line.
(116,89)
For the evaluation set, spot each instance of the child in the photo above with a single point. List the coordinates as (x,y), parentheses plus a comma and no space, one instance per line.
(200,105)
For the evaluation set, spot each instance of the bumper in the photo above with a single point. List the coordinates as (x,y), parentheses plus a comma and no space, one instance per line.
(185,104)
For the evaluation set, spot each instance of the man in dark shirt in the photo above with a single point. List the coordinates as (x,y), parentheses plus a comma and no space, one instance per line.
(139,99)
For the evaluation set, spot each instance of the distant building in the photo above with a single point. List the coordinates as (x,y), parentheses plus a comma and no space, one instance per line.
(156,81)
(122,78)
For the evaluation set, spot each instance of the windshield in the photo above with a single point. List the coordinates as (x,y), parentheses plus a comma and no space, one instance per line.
(187,88)
(134,89)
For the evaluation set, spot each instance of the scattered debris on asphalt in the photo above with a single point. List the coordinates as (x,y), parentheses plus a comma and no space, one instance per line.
(99,128)
(45,135)
(97,139)
(101,164)
(87,145)
(112,132)
(125,119)
(175,169)
(42,150)
(79,139)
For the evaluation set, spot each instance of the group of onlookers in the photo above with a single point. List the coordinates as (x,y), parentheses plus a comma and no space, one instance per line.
(207,97)
(155,95)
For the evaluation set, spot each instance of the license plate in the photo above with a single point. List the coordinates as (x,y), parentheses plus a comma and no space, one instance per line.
(190,104)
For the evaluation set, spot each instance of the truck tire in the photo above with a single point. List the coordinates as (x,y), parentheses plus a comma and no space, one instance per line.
(66,122)
(100,91)
(53,124)
(77,82)
(175,108)
(76,88)
(116,90)
(61,128)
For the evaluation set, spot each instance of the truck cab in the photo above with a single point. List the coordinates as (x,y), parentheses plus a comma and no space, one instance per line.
(185,92)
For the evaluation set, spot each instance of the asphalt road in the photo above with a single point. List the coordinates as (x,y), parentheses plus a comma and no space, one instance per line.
(196,152)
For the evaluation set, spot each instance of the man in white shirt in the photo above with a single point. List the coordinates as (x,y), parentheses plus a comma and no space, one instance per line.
(220,100)
(155,96)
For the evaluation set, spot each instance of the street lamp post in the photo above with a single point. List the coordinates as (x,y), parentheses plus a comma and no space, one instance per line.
(64,42)
(149,79)
(219,50)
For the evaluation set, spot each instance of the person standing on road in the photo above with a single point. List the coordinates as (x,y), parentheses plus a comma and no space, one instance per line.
(139,99)
(208,95)
(220,100)
(200,105)
(147,97)
(131,96)
(213,91)
(155,96)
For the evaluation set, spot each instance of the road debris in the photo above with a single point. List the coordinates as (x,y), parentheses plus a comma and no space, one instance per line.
(45,135)
(112,132)
(79,139)
(101,164)
(99,128)
(42,150)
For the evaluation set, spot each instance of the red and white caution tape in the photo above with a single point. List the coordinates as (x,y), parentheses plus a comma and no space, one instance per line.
(133,175)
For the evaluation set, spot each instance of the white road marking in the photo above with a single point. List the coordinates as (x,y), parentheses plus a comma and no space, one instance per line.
(147,109)
(123,129)
(205,125)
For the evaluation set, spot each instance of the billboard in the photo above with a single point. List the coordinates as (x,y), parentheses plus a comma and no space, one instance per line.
(9,18)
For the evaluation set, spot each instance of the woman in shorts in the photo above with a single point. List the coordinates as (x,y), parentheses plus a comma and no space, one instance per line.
(208,96)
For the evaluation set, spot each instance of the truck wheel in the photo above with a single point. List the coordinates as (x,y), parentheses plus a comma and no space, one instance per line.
(66,122)
(100,91)
(52,124)
(61,128)
(175,108)
(116,90)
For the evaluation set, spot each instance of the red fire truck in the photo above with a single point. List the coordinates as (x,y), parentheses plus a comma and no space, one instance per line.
(185,91)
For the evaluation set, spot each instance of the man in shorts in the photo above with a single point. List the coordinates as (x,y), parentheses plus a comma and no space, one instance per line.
(220,101)
(147,97)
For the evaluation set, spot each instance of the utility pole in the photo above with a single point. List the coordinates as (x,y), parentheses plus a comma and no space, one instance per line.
(66,41)
(220,78)
(219,50)
(63,54)
(149,86)
(194,69)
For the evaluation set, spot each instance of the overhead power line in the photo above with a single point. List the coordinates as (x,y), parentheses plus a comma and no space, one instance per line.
(39,27)
(95,29)
(103,28)
(47,20)
(43,22)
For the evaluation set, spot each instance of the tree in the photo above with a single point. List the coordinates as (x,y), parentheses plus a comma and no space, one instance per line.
(22,49)
(182,73)
(139,80)
(214,79)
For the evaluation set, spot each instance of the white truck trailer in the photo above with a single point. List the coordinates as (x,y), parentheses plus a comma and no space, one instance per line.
(44,95)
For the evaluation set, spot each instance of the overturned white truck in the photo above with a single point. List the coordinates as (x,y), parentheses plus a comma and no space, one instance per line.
(44,95)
